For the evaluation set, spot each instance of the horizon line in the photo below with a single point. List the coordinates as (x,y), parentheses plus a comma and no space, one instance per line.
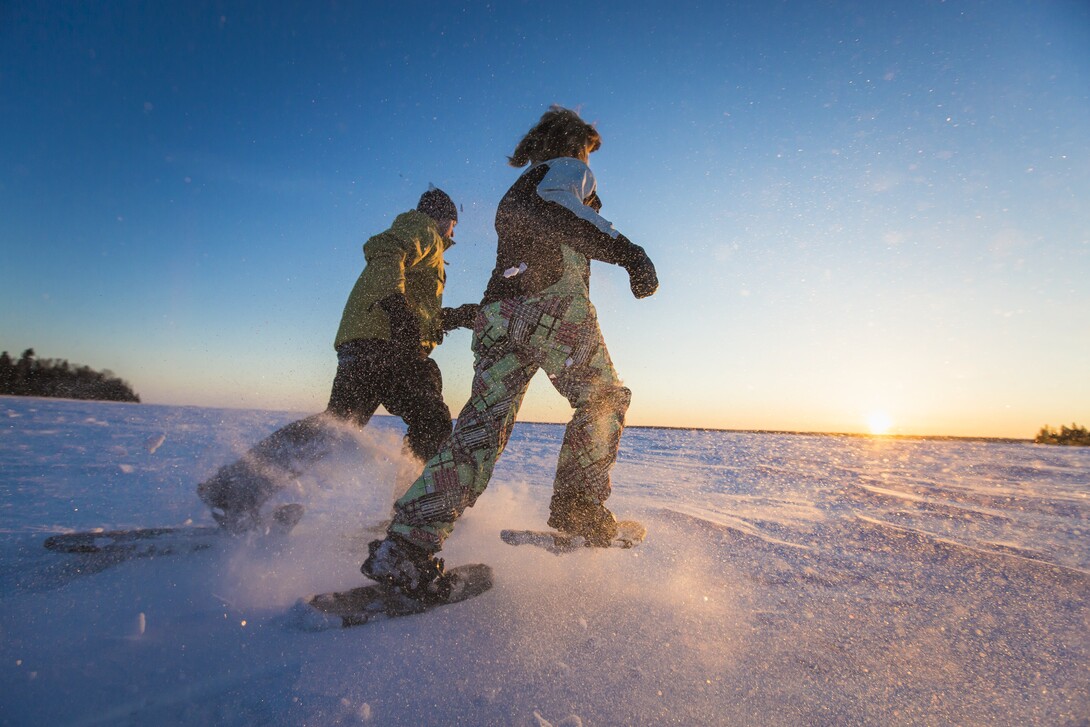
(728,430)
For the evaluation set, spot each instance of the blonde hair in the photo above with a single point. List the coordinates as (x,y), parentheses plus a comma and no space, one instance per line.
(559,133)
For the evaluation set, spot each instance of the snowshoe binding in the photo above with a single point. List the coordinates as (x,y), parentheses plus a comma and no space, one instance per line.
(594,522)
(406,568)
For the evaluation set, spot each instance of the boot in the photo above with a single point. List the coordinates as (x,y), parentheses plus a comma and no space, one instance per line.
(406,567)
(233,497)
(236,522)
(280,520)
(592,521)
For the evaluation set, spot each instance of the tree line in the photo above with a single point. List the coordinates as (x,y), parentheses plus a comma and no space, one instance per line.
(1073,435)
(31,376)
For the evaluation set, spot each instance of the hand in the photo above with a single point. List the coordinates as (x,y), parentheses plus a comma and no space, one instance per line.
(461,317)
(642,278)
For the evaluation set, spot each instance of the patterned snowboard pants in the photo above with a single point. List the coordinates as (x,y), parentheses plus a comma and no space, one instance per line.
(512,339)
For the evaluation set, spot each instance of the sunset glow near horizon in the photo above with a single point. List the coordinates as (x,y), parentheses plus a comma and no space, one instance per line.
(865,220)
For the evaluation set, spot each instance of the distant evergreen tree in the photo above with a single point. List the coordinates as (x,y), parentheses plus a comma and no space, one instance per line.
(31,376)
(7,371)
(1072,436)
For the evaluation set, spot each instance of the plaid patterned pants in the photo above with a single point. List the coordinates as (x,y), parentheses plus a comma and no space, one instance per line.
(513,338)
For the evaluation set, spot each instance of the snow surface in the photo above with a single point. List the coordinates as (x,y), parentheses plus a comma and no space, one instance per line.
(786,580)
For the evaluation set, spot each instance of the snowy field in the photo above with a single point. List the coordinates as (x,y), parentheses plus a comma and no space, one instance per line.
(786,580)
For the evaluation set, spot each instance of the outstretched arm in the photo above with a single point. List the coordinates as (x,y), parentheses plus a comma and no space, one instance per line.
(567,183)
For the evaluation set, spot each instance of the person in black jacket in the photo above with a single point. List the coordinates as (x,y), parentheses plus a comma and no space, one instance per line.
(536,314)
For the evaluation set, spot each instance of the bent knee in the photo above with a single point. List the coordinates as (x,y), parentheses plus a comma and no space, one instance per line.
(623,396)
(613,399)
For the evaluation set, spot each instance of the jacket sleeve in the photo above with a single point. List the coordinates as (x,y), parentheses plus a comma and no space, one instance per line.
(386,254)
(567,183)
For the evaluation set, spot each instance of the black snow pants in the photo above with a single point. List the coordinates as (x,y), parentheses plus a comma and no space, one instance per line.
(369,373)
(372,372)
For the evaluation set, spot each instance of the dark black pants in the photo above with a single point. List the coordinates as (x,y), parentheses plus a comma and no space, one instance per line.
(369,373)
(373,372)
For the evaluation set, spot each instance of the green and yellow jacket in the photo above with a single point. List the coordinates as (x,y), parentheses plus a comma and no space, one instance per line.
(407,258)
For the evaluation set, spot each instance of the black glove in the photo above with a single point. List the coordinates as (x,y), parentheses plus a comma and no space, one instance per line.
(404,330)
(594,202)
(460,317)
(642,278)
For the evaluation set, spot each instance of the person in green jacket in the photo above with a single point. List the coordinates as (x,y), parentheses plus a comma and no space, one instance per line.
(393,319)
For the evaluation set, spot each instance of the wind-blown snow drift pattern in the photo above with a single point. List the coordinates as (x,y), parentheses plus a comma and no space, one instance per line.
(786,580)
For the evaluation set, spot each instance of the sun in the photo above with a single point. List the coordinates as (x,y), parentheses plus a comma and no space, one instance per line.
(879,422)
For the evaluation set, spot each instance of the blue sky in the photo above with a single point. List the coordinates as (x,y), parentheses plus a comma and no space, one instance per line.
(855,209)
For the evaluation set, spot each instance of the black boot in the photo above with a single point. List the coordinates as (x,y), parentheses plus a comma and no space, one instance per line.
(234,495)
(577,517)
(406,567)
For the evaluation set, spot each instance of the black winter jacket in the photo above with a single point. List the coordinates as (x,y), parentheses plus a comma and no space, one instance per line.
(549,206)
